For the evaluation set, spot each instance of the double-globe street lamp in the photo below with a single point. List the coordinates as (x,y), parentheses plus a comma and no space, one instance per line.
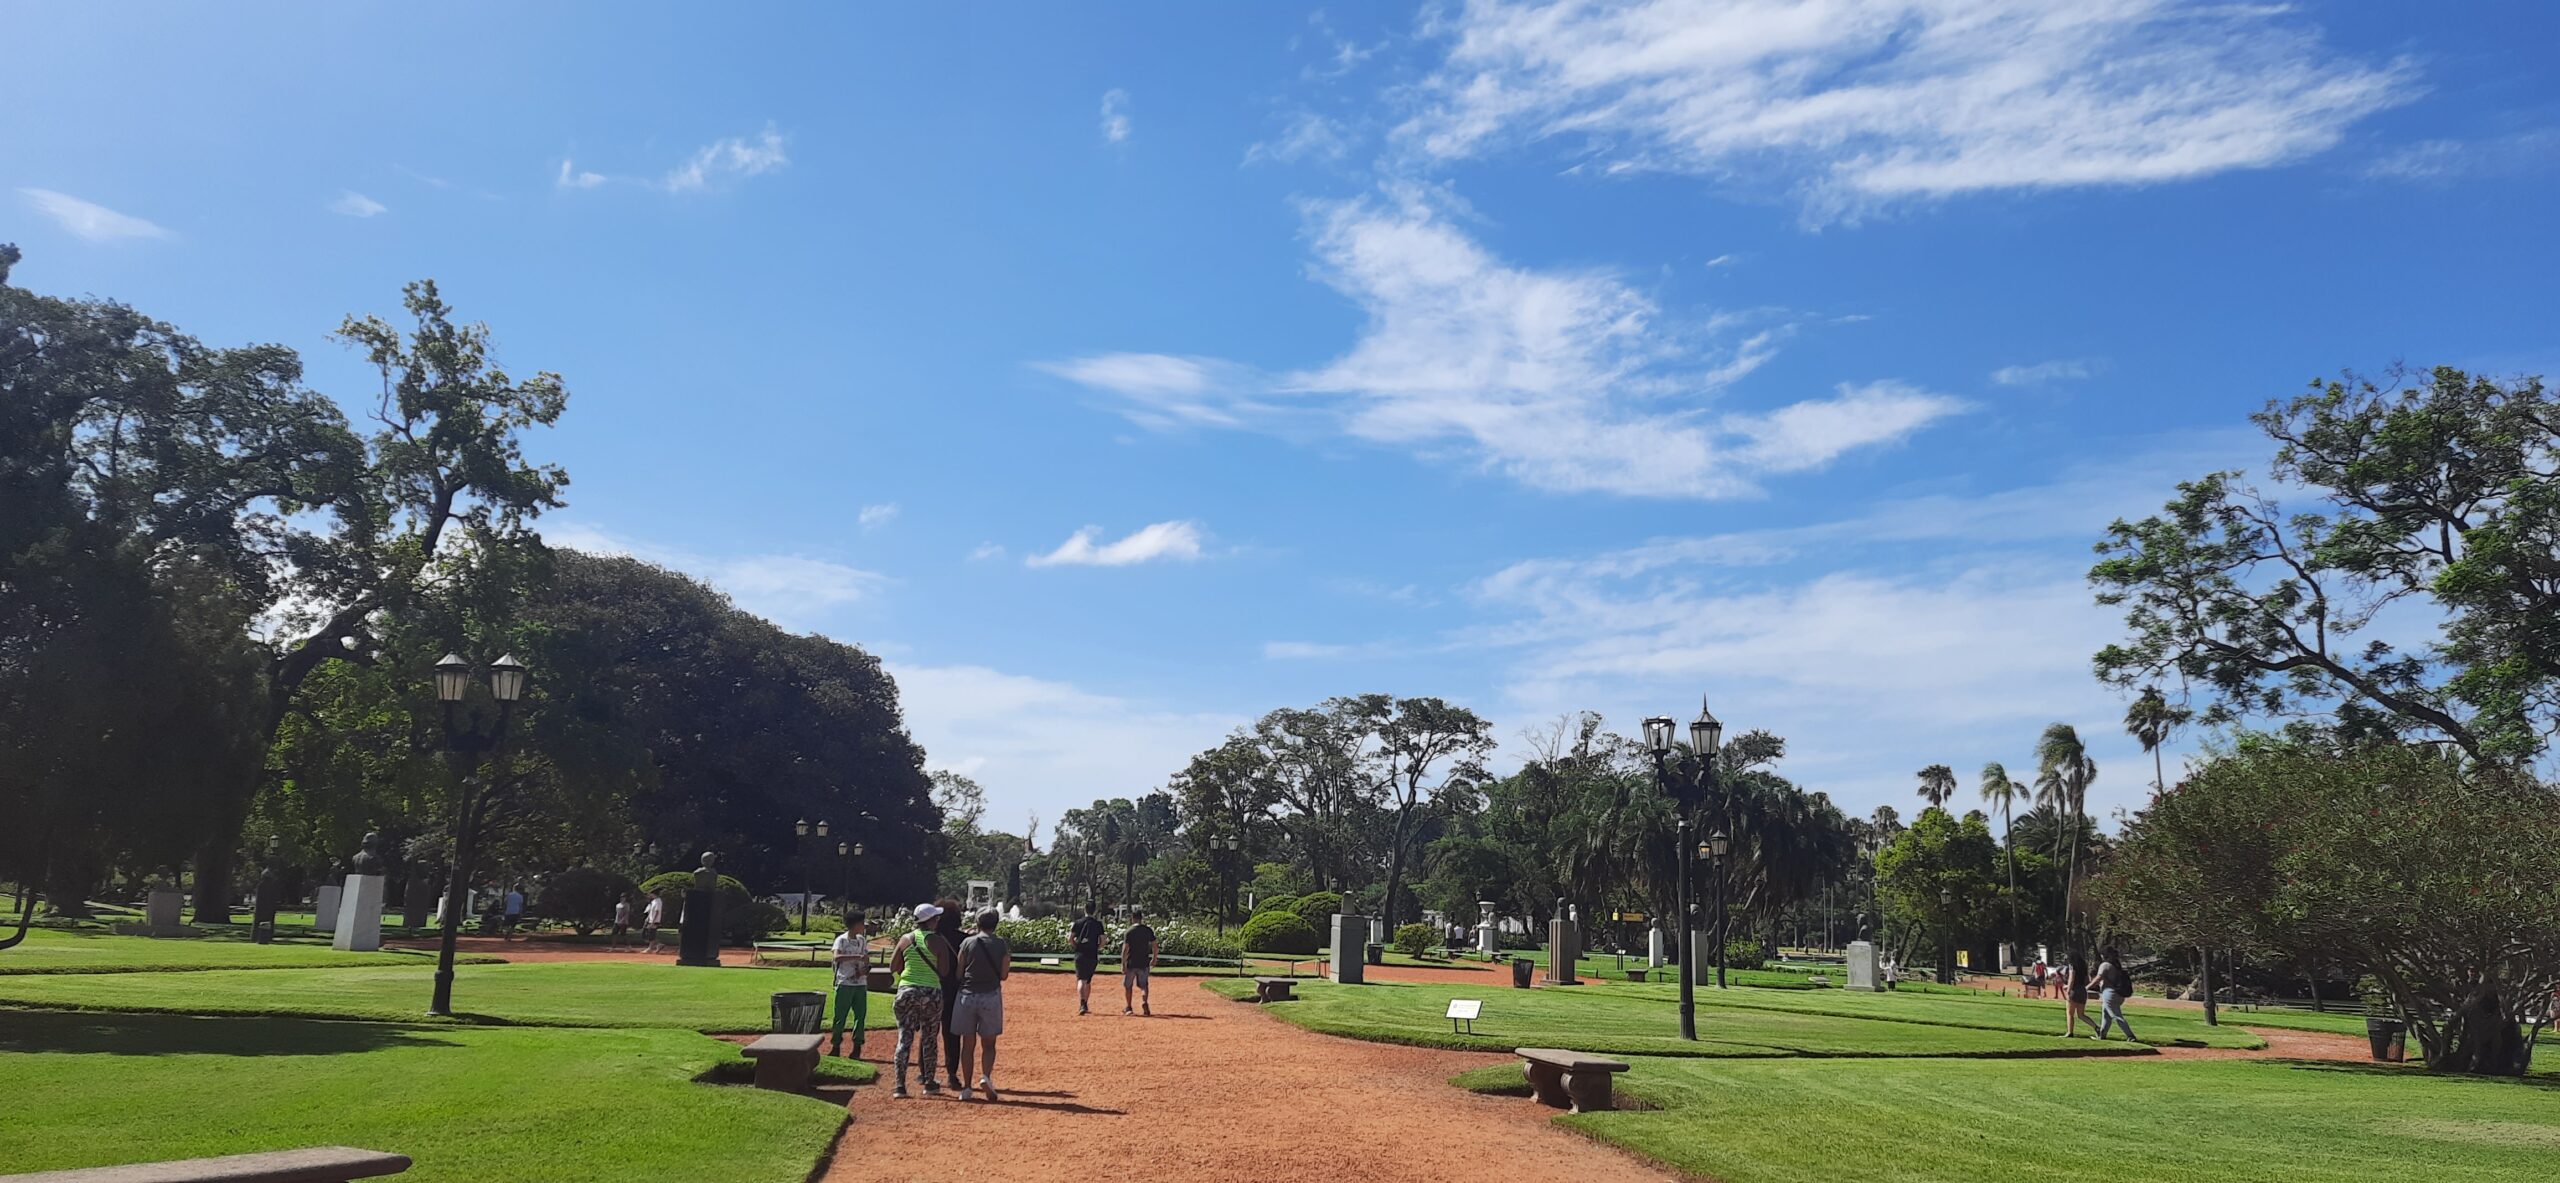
(469,743)
(800,829)
(1706,737)
(1222,853)
(846,852)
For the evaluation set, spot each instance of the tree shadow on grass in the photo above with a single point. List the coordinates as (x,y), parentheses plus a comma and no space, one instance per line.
(95,1033)
(2413,1071)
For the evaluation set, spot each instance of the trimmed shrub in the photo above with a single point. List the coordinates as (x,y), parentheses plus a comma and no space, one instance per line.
(1183,938)
(1414,940)
(583,897)
(744,922)
(1317,909)
(1279,932)
(1277,903)
(1744,953)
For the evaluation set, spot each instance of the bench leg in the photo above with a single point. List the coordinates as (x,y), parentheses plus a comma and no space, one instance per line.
(1591,1091)
(789,1074)
(1547,1081)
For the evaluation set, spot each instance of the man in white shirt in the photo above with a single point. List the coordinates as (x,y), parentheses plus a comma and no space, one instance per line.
(853,982)
(650,918)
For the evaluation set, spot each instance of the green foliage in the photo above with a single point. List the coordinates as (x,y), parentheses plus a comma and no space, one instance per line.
(752,921)
(1279,932)
(1414,940)
(1942,876)
(1744,953)
(1184,938)
(675,883)
(2442,491)
(2441,880)
(582,896)
(1277,903)
(1317,909)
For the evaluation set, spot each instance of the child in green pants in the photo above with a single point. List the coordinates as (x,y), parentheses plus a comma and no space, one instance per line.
(853,977)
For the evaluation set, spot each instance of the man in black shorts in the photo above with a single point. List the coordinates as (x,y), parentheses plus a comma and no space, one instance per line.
(1086,939)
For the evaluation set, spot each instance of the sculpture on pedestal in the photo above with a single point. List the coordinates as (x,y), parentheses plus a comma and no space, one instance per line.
(700,926)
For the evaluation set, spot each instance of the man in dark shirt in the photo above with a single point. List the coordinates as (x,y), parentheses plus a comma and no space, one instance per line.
(1086,939)
(1137,961)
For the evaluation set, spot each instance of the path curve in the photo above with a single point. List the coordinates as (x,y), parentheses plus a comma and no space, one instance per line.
(1209,1089)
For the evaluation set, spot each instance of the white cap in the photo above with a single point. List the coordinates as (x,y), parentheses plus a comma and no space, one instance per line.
(925,912)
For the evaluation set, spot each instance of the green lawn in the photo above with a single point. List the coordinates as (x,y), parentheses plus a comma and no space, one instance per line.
(1621,1020)
(1966,1008)
(466,1103)
(2076,1121)
(562,994)
(51,950)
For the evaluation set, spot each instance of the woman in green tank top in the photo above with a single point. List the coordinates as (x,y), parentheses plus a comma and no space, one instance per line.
(921,965)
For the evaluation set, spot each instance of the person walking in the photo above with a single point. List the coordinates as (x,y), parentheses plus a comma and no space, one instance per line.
(515,913)
(651,916)
(2075,995)
(852,957)
(921,964)
(1137,964)
(2115,984)
(949,926)
(621,920)
(1086,940)
(986,960)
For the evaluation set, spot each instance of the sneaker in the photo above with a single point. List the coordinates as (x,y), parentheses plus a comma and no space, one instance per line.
(899,1093)
(1126,1011)
(932,1088)
(965,1095)
(988,1087)
(1147,1008)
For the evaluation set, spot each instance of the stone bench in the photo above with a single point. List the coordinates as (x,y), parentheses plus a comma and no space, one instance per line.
(1275,990)
(784,1062)
(1569,1079)
(318,1164)
(1638,975)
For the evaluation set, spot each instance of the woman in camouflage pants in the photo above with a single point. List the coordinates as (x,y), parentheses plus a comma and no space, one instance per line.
(922,967)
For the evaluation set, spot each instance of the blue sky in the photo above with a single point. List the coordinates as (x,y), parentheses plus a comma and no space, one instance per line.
(1118,375)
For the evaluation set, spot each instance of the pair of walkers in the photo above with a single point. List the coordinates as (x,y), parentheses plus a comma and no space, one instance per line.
(1137,962)
(2114,984)
(959,987)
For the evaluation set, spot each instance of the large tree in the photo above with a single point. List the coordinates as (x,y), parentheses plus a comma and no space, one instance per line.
(2438,876)
(2442,494)
(1415,750)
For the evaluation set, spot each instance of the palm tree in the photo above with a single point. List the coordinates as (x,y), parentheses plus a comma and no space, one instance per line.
(2151,720)
(1937,783)
(1999,790)
(2064,769)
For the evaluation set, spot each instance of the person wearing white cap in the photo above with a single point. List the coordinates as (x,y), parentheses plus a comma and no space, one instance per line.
(921,965)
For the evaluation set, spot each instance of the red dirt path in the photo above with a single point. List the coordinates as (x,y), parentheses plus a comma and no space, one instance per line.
(1208,1089)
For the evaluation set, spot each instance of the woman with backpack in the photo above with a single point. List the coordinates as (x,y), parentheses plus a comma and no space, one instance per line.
(2115,984)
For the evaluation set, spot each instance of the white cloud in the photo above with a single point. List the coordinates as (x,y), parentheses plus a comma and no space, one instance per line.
(873,517)
(795,591)
(1724,261)
(573,177)
(1856,103)
(2041,373)
(2442,161)
(1164,540)
(356,205)
(1308,136)
(1042,745)
(1115,116)
(87,219)
(985,551)
(1564,380)
(1303,651)
(735,156)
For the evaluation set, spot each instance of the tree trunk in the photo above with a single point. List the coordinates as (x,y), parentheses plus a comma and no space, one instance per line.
(2480,1038)
(1395,865)
(215,862)
(2212,1011)
(66,891)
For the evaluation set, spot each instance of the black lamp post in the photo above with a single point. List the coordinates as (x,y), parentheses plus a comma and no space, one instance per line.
(1713,850)
(1947,939)
(1222,851)
(846,852)
(469,744)
(801,830)
(1706,738)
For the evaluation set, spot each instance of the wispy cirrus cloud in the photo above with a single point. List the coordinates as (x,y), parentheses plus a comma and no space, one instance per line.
(722,160)
(872,517)
(2043,373)
(1856,104)
(87,219)
(1115,116)
(356,205)
(1564,380)
(1174,541)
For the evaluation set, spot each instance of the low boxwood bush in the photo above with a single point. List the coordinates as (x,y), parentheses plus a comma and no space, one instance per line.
(1279,932)
(582,897)
(1414,940)
(1317,909)
(1183,938)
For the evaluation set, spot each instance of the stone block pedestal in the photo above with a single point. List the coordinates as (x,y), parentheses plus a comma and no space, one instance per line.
(359,925)
(324,905)
(1863,974)
(1350,943)
(1562,951)
(1653,949)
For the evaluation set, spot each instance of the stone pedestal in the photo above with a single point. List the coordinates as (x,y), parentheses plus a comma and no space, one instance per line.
(1702,957)
(1863,974)
(359,927)
(700,925)
(1562,952)
(1488,927)
(1654,940)
(1350,941)
(2008,958)
(325,908)
(419,902)
(262,913)
(162,912)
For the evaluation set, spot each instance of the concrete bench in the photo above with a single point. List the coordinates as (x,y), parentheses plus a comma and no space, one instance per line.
(1275,990)
(784,1062)
(799,952)
(1638,975)
(318,1164)
(1569,1079)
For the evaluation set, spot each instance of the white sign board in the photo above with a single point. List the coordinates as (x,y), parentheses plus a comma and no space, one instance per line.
(1465,1010)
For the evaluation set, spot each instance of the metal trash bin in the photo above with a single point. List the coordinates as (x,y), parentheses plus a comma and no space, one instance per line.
(796,1012)
(1522,971)
(2390,1039)
(1376,954)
